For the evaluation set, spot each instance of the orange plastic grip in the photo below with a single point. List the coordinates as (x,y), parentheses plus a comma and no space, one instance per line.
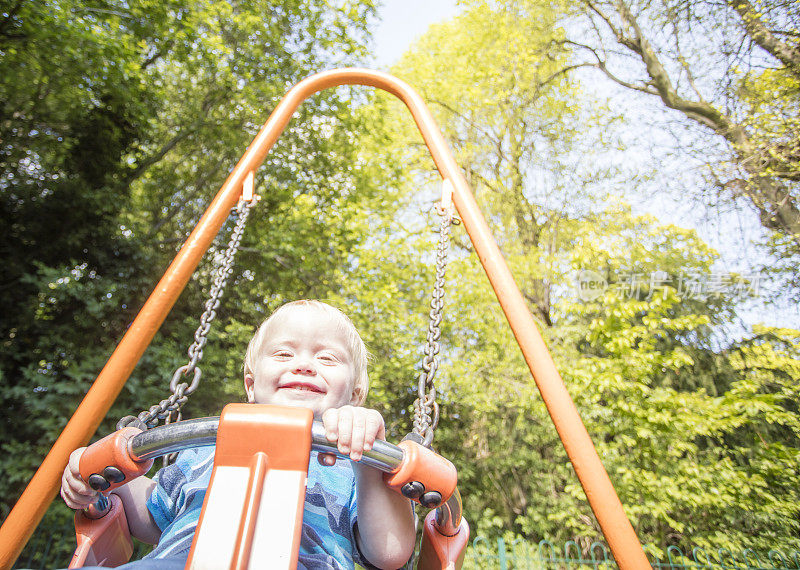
(424,476)
(250,428)
(105,541)
(440,552)
(107,464)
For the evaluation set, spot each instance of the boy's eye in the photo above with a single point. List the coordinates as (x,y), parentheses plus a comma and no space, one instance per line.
(328,358)
(282,354)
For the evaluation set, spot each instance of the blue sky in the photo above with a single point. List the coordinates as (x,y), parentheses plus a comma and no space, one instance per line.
(402,21)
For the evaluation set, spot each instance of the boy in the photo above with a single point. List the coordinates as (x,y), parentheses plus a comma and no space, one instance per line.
(306,354)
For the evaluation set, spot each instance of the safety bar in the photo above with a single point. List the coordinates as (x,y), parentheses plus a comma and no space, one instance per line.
(202,432)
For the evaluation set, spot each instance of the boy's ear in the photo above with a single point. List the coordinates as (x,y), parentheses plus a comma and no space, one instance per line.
(249,387)
(356,399)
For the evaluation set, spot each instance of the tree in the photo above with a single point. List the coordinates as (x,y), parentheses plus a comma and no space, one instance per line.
(693,466)
(509,111)
(674,418)
(733,70)
(118,122)
(657,388)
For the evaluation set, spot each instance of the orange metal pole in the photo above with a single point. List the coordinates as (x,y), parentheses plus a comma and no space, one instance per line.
(602,497)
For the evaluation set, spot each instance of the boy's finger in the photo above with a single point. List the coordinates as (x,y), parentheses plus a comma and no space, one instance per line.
(357,437)
(374,430)
(345,429)
(330,421)
(68,480)
(74,461)
(77,485)
(85,492)
(68,500)
(73,501)
(76,502)
(326,459)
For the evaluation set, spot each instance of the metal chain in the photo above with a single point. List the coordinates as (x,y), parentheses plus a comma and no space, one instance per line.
(169,409)
(426,410)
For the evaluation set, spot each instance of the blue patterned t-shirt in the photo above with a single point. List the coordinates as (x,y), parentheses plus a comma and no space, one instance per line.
(329,518)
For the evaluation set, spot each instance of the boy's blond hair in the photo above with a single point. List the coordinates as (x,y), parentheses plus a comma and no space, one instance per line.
(358,351)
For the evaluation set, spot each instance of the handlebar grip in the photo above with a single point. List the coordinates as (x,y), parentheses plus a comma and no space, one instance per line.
(107,463)
(424,476)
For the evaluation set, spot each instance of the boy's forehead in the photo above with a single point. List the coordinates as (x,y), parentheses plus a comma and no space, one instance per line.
(306,319)
(305,314)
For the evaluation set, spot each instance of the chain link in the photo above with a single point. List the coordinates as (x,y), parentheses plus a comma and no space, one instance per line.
(426,409)
(169,409)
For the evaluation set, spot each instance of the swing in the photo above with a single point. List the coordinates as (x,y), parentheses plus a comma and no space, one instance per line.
(269,446)
(415,471)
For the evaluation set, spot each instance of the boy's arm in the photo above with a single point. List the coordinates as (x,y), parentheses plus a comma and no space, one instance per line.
(134,497)
(386,521)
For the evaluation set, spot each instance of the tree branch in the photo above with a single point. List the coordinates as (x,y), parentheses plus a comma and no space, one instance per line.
(787,54)
(601,65)
(699,111)
(461,116)
(158,155)
(776,205)
(178,205)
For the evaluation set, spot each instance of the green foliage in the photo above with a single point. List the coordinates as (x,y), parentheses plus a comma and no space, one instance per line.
(670,410)
(142,108)
(681,458)
(691,468)
(119,121)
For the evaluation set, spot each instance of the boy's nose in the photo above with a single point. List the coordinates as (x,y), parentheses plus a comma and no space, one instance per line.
(305,367)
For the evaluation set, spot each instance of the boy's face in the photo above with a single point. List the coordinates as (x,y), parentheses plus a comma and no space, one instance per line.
(305,362)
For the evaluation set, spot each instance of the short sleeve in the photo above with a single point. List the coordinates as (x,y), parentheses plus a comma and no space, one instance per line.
(165,501)
(177,500)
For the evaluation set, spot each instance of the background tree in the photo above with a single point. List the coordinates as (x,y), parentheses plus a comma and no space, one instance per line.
(673,419)
(732,71)
(118,122)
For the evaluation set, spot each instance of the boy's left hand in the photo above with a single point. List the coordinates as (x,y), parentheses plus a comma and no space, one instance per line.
(353,429)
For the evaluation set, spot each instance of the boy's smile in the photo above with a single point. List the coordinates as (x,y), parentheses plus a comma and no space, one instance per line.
(304,361)
(301,387)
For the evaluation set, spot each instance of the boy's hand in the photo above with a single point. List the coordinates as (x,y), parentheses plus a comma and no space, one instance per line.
(354,430)
(74,490)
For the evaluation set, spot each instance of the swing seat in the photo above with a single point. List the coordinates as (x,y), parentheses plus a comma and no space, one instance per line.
(252,512)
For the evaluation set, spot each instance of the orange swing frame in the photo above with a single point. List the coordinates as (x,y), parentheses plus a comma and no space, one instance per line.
(35,499)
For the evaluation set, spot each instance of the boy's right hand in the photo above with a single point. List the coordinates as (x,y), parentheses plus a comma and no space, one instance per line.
(74,490)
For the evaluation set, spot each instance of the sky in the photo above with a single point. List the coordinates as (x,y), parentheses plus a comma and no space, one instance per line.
(403,21)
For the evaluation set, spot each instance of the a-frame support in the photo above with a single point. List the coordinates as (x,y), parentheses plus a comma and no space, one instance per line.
(616,527)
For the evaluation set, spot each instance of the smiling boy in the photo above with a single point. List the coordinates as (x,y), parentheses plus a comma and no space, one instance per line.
(306,354)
